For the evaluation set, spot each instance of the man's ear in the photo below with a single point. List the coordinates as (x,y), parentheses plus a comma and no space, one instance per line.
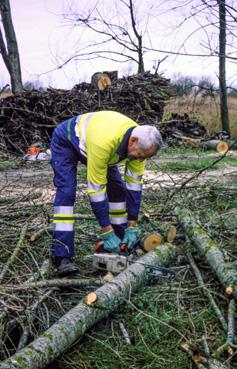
(132,140)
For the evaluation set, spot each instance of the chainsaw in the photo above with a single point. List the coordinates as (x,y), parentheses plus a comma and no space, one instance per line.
(116,263)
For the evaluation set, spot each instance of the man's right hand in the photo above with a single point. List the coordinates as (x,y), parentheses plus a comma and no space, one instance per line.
(111,241)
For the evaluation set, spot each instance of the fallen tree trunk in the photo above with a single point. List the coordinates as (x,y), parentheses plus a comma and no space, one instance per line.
(60,336)
(218,145)
(209,250)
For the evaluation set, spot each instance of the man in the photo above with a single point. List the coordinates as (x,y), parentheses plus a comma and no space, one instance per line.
(100,140)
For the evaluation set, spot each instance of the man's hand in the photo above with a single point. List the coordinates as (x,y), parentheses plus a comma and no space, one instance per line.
(111,241)
(130,236)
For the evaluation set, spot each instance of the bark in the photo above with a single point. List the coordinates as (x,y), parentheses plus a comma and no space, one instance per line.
(210,251)
(49,283)
(10,53)
(60,336)
(139,46)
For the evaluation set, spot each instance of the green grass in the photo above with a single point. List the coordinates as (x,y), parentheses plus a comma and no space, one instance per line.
(182,151)
(10,164)
(157,324)
(196,163)
(81,172)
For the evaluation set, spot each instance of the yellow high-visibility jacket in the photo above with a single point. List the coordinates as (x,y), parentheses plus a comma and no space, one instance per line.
(102,136)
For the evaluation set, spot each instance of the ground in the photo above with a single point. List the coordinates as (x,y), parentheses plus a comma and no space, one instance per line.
(163,317)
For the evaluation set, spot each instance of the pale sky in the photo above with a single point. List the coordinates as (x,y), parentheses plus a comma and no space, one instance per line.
(45,40)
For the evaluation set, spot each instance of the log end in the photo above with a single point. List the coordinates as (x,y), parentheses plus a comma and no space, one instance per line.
(108,277)
(151,241)
(90,298)
(222,147)
(33,237)
(171,233)
(229,290)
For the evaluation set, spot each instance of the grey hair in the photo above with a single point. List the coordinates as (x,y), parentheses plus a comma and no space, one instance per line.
(147,136)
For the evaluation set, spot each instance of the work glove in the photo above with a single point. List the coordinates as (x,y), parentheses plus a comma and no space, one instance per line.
(111,241)
(130,236)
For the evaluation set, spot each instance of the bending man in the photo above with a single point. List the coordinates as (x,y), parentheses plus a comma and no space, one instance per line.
(100,140)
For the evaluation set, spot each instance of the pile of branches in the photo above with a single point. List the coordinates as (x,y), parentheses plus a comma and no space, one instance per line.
(32,115)
(182,125)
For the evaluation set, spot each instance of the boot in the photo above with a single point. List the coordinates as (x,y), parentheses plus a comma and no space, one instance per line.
(65,266)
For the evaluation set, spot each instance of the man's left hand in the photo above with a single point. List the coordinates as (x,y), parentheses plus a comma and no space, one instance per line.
(130,236)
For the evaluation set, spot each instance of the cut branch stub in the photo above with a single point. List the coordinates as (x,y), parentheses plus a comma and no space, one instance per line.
(90,298)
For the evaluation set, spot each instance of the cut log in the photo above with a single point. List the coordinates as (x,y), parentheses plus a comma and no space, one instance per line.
(218,145)
(210,251)
(151,241)
(100,81)
(61,335)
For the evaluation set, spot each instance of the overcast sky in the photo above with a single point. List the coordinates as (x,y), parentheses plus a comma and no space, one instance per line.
(45,40)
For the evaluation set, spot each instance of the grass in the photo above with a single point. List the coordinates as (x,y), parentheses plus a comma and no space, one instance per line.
(205,110)
(191,163)
(158,320)
(10,164)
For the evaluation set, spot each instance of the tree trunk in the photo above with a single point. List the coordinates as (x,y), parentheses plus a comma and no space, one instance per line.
(61,335)
(209,250)
(139,47)
(222,69)
(10,53)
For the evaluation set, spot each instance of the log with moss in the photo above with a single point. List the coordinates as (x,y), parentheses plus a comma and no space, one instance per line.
(210,251)
(61,335)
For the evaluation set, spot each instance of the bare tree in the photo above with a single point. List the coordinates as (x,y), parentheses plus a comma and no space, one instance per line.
(118,34)
(9,50)
(222,67)
(216,24)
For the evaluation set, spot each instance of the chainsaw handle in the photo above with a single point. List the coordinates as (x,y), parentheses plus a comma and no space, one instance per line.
(99,246)
(123,247)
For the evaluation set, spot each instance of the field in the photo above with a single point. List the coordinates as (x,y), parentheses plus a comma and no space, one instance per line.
(171,324)
(205,110)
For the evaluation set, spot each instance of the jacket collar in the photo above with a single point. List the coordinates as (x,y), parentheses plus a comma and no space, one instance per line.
(123,147)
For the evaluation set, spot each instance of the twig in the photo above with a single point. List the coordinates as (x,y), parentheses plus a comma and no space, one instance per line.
(13,256)
(125,333)
(229,344)
(54,283)
(206,291)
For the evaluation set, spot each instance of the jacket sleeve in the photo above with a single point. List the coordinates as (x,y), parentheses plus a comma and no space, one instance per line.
(97,166)
(133,178)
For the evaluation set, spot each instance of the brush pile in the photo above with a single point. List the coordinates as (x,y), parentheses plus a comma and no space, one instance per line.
(182,125)
(31,116)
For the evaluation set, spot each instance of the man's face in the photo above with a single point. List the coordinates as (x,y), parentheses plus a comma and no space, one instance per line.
(136,153)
